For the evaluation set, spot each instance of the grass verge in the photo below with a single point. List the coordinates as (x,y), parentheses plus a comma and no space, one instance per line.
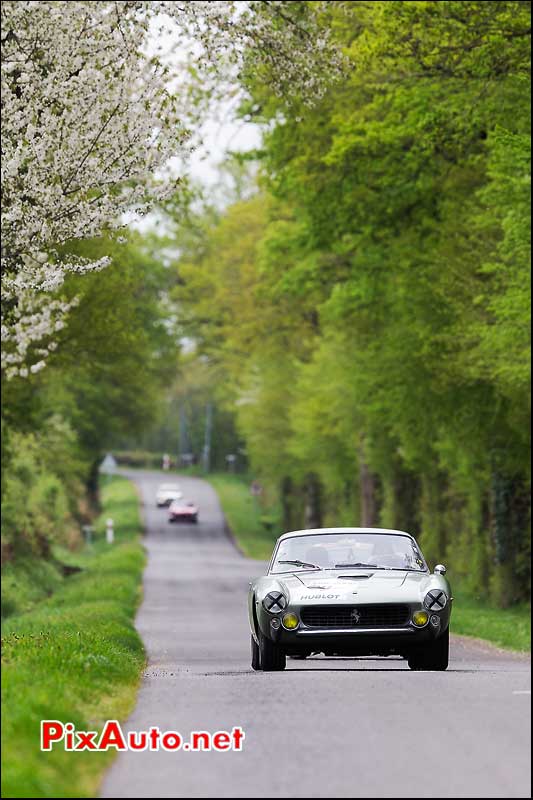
(254,521)
(75,656)
(505,627)
(256,526)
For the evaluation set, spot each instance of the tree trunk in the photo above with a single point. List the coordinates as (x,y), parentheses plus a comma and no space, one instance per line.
(92,484)
(510,534)
(313,502)
(368,496)
(287,502)
(407,492)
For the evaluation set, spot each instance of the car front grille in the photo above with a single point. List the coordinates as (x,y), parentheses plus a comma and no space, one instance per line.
(371,616)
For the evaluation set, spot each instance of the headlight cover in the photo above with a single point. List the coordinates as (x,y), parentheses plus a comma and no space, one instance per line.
(274,602)
(435,600)
(420,618)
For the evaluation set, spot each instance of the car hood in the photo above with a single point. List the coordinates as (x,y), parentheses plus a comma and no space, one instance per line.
(363,586)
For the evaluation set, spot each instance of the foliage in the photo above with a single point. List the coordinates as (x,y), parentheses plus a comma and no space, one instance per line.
(92,112)
(105,381)
(372,302)
(80,653)
(138,459)
(119,349)
(197,398)
(40,492)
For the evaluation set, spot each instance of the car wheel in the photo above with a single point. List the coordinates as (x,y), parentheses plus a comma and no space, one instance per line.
(255,654)
(271,656)
(433,657)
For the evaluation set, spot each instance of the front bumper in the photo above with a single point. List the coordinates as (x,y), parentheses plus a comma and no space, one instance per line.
(366,641)
(353,640)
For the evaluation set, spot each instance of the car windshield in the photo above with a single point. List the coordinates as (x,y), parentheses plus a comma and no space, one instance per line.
(169,487)
(365,550)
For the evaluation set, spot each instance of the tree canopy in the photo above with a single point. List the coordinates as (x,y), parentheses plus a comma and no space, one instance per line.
(372,302)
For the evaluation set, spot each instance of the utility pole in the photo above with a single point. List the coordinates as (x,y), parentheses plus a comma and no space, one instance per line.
(183,438)
(208,430)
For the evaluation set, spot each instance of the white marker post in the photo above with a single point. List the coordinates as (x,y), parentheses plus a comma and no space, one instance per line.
(88,534)
(108,468)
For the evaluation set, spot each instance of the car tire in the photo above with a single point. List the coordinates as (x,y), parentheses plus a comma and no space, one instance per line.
(256,663)
(271,657)
(433,657)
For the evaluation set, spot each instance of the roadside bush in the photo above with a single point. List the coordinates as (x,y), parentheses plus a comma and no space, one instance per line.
(138,458)
(41,492)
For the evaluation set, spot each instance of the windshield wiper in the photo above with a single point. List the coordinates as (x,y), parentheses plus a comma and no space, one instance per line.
(376,566)
(404,569)
(300,564)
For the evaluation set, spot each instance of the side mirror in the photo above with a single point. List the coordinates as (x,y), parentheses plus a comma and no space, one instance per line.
(440,569)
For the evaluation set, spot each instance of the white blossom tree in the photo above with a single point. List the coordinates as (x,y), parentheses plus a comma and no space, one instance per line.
(90,118)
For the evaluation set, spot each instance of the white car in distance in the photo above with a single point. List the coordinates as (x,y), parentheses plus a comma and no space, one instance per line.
(166,493)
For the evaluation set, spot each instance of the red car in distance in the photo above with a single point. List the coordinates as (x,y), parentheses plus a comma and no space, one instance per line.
(178,511)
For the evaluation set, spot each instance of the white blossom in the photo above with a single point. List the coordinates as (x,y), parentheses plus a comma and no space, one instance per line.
(90,119)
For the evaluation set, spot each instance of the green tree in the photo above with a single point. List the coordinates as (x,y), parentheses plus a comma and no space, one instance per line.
(372,304)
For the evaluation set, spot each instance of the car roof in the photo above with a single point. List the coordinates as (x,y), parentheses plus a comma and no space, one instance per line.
(318,531)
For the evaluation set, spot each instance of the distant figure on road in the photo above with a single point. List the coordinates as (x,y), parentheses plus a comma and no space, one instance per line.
(231,459)
(166,461)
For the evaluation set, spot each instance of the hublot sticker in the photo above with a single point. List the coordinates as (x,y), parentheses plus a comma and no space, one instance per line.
(320,597)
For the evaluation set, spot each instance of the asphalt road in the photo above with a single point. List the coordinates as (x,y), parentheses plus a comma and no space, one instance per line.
(324,727)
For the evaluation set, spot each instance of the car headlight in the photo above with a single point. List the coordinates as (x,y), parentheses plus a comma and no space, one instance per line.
(290,621)
(435,600)
(274,602)
(420,618)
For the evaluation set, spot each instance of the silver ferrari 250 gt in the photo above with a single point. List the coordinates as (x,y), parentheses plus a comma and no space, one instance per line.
(350,592)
